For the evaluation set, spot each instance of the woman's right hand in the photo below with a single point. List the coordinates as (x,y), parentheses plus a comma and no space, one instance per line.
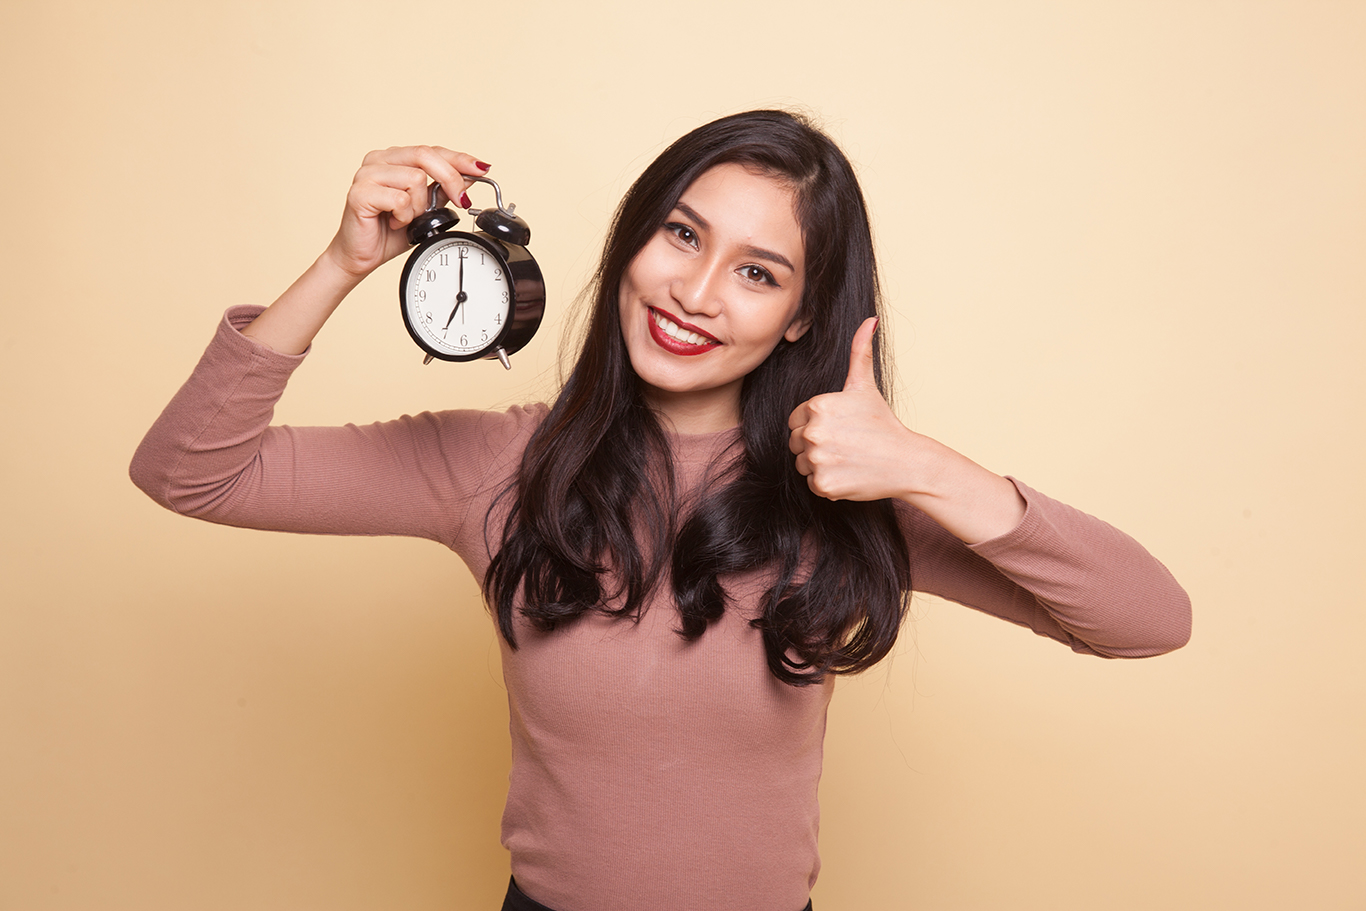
(389,191)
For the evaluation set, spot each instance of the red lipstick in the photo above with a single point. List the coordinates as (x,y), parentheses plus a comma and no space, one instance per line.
(673,345)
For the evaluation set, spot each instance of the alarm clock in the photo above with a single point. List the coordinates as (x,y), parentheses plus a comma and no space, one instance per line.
(469,296)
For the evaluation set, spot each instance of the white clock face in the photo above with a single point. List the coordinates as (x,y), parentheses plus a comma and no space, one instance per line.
(457,296)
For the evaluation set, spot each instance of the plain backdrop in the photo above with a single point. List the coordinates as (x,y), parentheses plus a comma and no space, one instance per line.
(1124,247)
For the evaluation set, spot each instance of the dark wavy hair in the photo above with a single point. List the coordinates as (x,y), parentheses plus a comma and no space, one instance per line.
(589,531)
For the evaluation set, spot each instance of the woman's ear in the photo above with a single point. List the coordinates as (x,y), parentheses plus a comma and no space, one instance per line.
(797,328)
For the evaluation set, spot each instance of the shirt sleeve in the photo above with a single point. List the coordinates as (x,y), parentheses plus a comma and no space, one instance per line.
(214,455)
(1062,573)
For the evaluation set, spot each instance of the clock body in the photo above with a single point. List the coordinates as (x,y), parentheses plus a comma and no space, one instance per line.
(469,296)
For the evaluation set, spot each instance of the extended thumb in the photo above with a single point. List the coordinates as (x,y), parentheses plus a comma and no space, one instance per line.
(861,357)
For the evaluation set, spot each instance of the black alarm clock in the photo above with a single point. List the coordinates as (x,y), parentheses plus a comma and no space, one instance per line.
(469,296)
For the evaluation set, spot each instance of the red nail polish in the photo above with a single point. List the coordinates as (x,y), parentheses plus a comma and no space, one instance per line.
(482,166)
(464,200)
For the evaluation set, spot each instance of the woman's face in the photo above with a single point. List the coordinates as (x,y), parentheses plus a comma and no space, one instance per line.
(712,293)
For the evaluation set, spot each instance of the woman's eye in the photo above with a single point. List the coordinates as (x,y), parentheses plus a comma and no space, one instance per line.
(684,233)
(758,274)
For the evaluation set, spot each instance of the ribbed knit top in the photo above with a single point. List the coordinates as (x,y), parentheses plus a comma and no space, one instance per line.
(647,772)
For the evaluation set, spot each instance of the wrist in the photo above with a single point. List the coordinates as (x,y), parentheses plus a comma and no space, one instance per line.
(331,269)
(933,477)
(972,502)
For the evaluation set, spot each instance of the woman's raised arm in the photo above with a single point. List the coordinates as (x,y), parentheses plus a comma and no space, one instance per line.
(213,454)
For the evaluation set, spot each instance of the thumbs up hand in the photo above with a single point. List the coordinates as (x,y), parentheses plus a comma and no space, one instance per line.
(849,445)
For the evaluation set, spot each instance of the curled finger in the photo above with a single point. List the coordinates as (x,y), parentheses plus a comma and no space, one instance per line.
(453,171)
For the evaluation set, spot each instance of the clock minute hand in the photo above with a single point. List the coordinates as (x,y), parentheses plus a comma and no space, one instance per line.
(460,297)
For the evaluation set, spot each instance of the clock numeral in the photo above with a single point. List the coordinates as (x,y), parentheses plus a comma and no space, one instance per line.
(481,257)
(422,295)
(497,275)
(483,335)
(427,317)
(444,259)
(464,252)
(431,276)
(464,341)
(505,298)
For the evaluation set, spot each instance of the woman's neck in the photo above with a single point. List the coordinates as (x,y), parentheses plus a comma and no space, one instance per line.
(705,411)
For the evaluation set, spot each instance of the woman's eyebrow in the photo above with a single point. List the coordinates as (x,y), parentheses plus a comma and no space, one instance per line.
(776,258)
(756,252)
(692,213)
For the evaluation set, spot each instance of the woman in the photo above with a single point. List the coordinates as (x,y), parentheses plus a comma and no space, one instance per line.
(718,514)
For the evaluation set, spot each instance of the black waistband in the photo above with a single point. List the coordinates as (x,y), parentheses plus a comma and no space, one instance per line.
(517,900)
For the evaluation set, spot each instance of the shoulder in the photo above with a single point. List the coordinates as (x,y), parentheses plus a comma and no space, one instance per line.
(491,435)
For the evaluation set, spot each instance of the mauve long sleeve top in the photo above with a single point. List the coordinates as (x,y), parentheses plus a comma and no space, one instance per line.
(647,771)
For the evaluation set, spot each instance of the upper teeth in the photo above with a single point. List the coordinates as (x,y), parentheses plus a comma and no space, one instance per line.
(675,331)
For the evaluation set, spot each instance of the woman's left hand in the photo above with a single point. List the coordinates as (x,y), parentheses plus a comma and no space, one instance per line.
(851,446)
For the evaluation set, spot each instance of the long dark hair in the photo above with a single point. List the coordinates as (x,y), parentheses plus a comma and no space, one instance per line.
(587,531)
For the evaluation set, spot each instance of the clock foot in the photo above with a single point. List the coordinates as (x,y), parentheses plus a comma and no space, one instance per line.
(503,358)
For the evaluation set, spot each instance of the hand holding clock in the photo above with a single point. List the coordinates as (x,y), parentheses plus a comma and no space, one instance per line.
(388,191)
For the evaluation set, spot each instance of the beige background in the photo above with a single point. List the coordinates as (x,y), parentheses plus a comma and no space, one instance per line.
(1125,245)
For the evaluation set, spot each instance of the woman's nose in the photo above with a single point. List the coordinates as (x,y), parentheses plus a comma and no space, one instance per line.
(698,287)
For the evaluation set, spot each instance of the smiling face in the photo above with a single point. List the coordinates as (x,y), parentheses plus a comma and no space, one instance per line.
(712,293)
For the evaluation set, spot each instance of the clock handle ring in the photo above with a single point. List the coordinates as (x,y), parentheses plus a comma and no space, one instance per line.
(497,197)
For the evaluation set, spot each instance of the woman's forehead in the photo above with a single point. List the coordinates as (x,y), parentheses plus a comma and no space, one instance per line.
(745,205)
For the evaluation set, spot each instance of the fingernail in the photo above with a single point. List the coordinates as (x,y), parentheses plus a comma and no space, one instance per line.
(465,201)
(482,166)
